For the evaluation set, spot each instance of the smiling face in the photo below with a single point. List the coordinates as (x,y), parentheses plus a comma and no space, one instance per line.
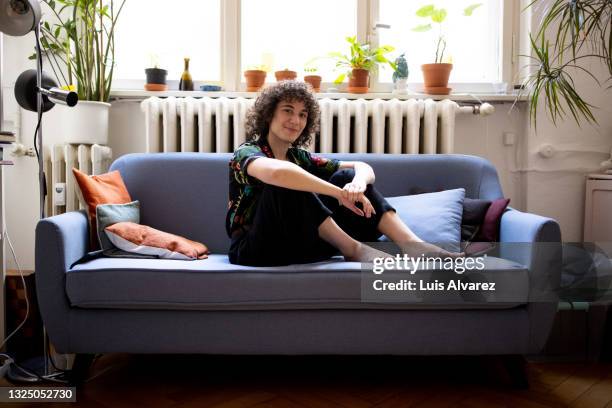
(288,122)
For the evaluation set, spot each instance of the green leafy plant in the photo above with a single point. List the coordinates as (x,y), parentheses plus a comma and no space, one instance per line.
(582,29)
(437,16)
(310,66)
(81,41)
(361,56)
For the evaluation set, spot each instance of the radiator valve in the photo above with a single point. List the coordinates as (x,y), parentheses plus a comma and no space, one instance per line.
(20,150)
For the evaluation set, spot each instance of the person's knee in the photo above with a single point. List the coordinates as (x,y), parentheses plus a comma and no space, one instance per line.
(342,177)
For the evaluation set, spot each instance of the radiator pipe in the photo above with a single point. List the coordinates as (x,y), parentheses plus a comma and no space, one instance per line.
(484,109)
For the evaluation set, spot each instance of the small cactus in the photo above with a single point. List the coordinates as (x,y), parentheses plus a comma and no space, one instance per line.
(402,68)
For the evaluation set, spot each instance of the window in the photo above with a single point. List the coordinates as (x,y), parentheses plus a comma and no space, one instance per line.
(225,37)
(473,43)
(289,33)
(167,32)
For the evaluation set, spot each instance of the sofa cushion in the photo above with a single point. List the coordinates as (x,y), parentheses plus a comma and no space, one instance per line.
(216,284)
(434,217)
(490,227)
(105,188)
(109,214)
(144,240)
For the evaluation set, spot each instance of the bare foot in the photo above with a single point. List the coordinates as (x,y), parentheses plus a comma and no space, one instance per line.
(417,249)
(365,253)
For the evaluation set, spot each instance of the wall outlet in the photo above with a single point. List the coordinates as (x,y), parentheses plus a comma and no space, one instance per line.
(509,139)
(59,194)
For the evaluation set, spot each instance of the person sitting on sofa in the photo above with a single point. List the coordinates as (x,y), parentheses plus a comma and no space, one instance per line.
(288,206)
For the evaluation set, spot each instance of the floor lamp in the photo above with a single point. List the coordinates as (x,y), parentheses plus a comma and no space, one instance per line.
(34,90)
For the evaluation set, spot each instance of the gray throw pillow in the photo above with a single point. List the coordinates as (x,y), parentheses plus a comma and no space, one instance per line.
(109,214)
(434,217)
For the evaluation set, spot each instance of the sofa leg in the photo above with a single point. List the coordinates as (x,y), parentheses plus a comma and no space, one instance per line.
(80,369)
(516,368)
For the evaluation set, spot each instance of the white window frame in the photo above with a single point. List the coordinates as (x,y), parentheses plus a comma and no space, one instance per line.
(367,18)
(508,42)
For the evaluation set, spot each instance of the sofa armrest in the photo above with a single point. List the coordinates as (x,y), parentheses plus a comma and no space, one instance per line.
(60,241)
(535,242)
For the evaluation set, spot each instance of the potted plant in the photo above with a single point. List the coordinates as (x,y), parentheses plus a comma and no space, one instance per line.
(255,77)
(79,44)
(436,75)
(156,77)
(581,30)
(400,76)
(285,75)
(360,62)
(311,76)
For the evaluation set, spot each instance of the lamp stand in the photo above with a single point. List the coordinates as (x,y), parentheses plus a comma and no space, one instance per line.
(39,102)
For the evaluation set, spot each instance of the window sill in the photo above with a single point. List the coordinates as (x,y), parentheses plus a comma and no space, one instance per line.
(137,94)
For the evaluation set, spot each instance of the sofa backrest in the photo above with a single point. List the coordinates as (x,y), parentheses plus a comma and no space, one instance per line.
(187,193)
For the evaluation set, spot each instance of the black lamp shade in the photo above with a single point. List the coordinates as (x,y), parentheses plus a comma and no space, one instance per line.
(26,90)
(19,17)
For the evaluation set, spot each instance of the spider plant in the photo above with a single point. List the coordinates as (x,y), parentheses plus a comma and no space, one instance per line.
(582,30)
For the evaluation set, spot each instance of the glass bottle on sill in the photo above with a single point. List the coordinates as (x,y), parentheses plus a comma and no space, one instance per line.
(186,83)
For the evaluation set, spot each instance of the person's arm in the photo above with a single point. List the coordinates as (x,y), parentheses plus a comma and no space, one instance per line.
(364,174)
(288,175)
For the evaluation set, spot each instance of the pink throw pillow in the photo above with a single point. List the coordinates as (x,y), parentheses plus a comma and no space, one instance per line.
(140,239)
(489,231)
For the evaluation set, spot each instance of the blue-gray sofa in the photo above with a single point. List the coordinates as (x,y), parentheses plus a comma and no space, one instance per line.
(212,306)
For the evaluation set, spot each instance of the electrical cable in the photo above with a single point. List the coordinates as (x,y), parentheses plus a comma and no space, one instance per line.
(30,373)
(27,300)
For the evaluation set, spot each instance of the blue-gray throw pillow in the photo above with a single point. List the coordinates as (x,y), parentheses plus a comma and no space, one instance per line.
(434,217)
(109,214)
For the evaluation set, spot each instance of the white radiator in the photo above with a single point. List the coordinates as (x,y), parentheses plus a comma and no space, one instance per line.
(360,126)
(61,184)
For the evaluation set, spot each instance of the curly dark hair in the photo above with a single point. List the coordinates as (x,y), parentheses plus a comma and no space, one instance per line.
(261,114)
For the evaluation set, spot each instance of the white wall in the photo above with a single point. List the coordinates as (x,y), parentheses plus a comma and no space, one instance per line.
(552,187)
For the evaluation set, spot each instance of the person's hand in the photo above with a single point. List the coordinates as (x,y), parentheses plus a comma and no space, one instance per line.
(352,190)
(367,210)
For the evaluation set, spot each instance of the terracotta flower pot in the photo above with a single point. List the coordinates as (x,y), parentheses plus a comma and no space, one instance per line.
(436,77)
(359,81)
(255,79)
(285,75)
(314,81)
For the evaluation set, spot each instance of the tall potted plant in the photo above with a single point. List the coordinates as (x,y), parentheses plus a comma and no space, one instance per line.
(582,31)
(436,75)
(80,47)
(361,60)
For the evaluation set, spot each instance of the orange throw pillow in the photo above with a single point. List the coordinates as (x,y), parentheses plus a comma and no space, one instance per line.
(144,240)
(105,188)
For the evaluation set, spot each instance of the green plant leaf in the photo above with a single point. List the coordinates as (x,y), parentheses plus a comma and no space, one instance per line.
(422,28)
(439,16)
(426,11)
(470,9)
(340,79)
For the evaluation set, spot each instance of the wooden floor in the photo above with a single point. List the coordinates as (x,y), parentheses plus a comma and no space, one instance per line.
(182,381)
